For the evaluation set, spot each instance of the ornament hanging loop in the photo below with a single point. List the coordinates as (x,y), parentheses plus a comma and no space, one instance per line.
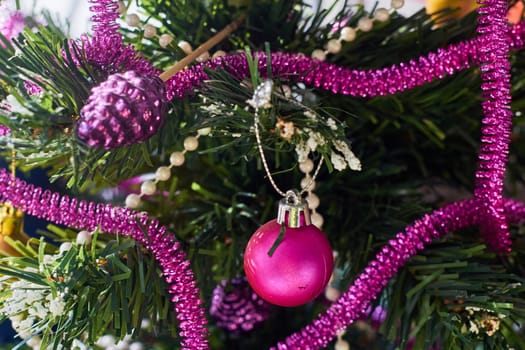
(293,197)
(293,210)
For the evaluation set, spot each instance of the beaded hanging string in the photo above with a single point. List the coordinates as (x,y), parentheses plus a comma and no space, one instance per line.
(163,173)
(308,184)
(63,210)
(348,34)
(149,32)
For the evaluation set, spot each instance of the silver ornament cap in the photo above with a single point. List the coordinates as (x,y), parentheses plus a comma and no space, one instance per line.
(293,210)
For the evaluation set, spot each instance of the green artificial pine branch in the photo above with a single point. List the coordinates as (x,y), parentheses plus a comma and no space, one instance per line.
(454,294)
(106,286)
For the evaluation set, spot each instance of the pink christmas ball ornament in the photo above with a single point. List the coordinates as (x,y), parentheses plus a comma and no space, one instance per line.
(125,109)
(300,266)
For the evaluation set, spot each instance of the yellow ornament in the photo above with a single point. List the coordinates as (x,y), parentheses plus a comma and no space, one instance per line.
(12,226)
(515,13)
(462,7)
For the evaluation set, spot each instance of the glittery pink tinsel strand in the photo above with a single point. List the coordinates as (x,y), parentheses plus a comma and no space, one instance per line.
(106,48)
(105,14)
(338,80)
(89,216)
(496,124)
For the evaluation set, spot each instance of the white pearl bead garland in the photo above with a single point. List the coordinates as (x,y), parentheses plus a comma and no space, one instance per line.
(121,7)
(132,20)
(148,188)
(381,15)
(332,293)
(397,4)
(84,237)
(191,143)
(177,159)
(219,53)
(308,184)
(185,47)
(165,40)
(65,247)
(347,34)
(163,173)
(150,32)
(341,344)
(306,167)
(365,24)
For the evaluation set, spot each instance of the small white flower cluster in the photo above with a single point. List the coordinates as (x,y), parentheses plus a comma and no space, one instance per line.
(483,320)
(348,156)
(341,156)
(29,303)
(215,109)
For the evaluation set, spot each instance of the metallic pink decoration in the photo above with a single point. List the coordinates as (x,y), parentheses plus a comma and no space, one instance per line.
(236,307)
(125,109)
(496,123)
(299,269)
(4,130)
(105,49)
(339,80)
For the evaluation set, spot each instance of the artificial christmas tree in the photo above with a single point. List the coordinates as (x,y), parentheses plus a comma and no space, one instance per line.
(165,171)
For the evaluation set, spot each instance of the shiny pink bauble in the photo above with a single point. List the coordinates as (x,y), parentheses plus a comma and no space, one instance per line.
(298,270)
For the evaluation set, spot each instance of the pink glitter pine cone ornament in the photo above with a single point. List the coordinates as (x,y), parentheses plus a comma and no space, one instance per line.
(236,307)
(289,268)
(128,107)
(125,109)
